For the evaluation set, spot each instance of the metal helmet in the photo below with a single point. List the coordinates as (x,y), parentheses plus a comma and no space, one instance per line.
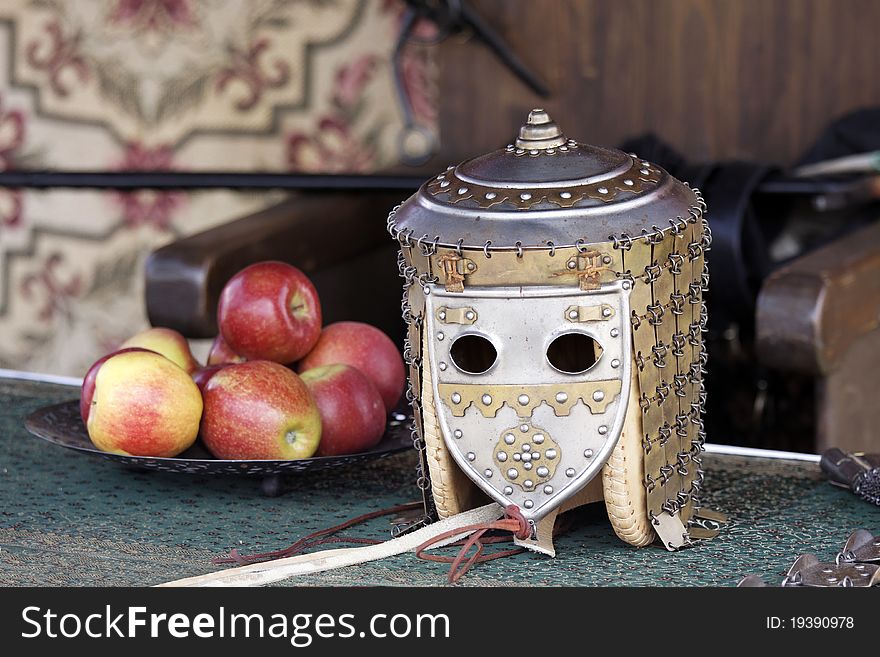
(554,302)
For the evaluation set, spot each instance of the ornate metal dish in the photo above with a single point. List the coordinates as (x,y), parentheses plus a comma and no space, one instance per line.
(60,424)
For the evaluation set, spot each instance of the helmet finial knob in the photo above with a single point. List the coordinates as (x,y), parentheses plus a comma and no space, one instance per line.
(539,132)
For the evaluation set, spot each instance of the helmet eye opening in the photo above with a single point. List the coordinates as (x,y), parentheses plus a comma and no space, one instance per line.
(573,353)
(473,354)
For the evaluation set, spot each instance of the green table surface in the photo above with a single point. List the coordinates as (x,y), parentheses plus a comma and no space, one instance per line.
(71,519)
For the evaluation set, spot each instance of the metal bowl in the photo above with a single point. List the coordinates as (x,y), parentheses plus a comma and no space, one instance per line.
(61,424)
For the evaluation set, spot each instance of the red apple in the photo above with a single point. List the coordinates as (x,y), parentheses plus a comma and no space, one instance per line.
(221,354)
(202,375)
(366,348)
(270,311)
(137,402)
(352,411)
(259,410)
(167,342)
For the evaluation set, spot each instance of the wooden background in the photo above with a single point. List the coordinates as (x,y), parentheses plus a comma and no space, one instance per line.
(718,79)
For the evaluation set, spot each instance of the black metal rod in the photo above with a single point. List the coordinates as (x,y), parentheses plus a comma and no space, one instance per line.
(496,44)
(241,180)
(781,184)
(193,180)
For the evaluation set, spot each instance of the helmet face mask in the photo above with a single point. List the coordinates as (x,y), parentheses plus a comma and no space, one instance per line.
(529,421)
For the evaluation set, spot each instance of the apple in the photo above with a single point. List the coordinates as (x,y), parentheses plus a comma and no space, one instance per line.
(366,348)
(137,402)
(270,311)
(87,390)
(221,354)
(202,375)
(167,342)
(259,410)
(352,410)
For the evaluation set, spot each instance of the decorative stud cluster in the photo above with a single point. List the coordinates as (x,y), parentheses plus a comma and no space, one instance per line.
(527,457)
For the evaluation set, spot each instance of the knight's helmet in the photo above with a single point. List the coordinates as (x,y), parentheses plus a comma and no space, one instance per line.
(553,293)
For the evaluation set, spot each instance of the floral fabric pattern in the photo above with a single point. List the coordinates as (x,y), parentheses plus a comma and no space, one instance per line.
(269,85)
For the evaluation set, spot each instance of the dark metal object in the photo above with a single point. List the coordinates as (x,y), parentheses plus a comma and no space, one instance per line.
(860,473)
(60,424)
(807,570)
(456,16)
(859,192)
(784,185)
(450,17)
(176,180)
(410,127)
(854,566)
(861,546)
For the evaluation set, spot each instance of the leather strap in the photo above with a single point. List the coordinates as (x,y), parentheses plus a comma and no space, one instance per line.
(258,574)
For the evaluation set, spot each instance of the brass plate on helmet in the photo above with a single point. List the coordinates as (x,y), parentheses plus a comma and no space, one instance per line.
(561,397)
(528,267)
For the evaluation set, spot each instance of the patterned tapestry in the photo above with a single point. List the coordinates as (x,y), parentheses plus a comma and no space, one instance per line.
(269,85)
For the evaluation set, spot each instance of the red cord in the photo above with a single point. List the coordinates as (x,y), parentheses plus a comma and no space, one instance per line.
(514,522)
(310,541)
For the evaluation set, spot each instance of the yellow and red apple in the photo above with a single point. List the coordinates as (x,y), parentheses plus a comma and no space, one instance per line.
(137,402)
(167,342)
